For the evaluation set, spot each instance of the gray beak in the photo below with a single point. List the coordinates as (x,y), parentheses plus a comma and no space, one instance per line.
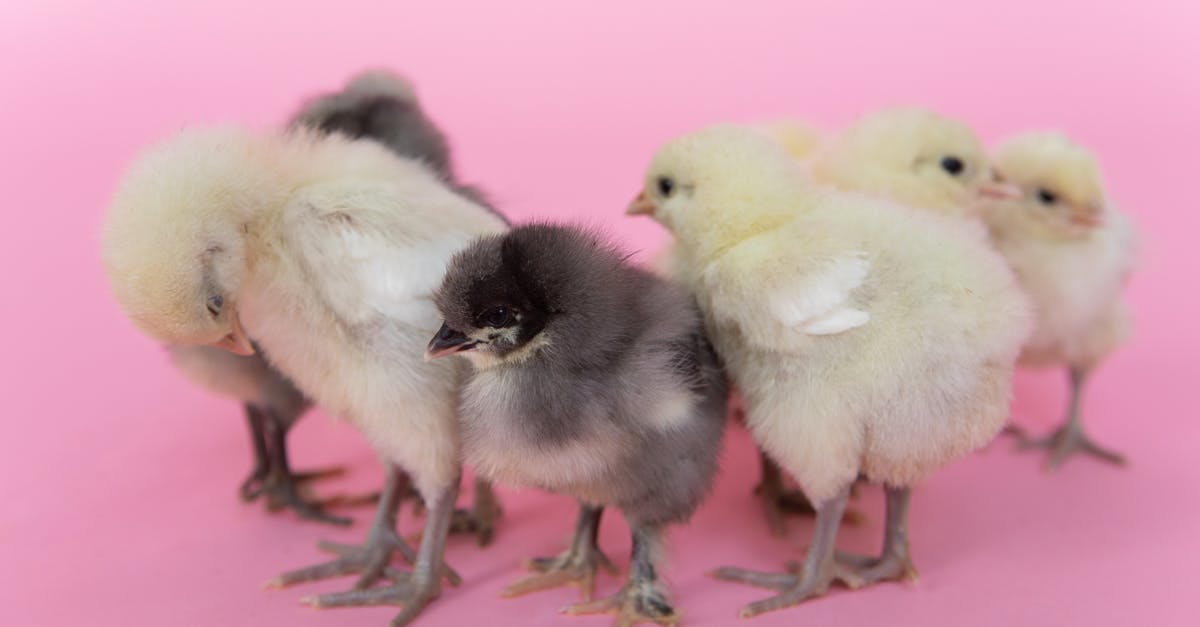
(448,341)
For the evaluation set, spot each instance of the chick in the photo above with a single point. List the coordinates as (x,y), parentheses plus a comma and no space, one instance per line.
(383,106)
(1072,251)
(911,156)
(865,338)
(326,251)
(594,379)
(272,405)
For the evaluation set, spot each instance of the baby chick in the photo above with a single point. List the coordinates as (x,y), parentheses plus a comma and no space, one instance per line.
(864,337)
(911,156)
(594,379)
(383,106)
(326,251)
(1072,251)
(797,137)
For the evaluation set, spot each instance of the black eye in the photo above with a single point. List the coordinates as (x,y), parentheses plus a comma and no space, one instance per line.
(497,317)
(665,186)
(953,165)
(1046,197)
(214,304)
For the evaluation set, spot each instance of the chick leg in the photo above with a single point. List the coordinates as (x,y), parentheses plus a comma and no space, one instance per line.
(1069,439)
(282,486)
(370,560)
(642,598)
(894,562)
(802,582)
(577,565)
(417,589)
(252,487)
(481,519)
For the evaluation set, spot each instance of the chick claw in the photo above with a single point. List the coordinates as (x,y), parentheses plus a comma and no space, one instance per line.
(794,589)
(370,560)
(404,591)
(646,605)
(571,568)
(1064,442)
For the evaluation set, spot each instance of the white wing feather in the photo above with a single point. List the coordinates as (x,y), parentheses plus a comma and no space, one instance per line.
(820,303)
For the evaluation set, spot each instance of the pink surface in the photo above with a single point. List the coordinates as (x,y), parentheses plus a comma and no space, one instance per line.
(119,478)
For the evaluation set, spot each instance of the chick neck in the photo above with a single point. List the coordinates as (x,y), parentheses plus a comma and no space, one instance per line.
(742,217)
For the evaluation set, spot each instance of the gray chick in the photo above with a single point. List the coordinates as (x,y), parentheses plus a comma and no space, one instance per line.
(593,379)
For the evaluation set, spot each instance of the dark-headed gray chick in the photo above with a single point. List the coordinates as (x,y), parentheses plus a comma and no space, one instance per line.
(593,379)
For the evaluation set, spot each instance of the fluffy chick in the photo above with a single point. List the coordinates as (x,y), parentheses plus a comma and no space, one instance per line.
(865,338)
(326,251)
(911,156)
(594,379)
(1072,251)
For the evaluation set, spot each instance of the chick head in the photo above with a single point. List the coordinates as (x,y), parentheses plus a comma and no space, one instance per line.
(913,156)
(718,185)
(1061,190)
(174,237)
(537,287)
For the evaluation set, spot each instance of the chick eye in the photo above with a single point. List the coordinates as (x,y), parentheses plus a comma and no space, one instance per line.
(665,186)
(498,317)
(1046,197)
(953,165)
(214,304)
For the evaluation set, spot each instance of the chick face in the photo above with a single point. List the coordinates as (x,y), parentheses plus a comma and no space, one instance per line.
(1061,192)
(174,239)
(695,182)
(493,314)
(915,156)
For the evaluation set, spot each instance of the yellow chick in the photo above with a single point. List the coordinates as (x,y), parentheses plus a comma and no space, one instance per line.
(1072,251)
(865,338)
(911,156)
(326,251)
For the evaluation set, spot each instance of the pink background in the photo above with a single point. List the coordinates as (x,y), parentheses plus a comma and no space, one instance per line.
(119,505)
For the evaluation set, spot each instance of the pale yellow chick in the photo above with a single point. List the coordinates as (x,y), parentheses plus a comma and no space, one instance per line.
(912,156)
(326,251)
(866,338)
(1072,251)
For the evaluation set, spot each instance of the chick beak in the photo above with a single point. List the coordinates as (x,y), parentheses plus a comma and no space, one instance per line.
(640,206)
(1087,216)
(448,341)
(999,190)
(236,342)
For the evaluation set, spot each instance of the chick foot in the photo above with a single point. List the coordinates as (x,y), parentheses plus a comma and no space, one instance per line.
(576,566)
(414,590)
(406,590)
(1065,442)
(1069,439)
(481,519)
(640,600)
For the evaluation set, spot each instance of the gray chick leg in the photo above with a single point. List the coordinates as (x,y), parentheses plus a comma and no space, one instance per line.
(1069,438)
(802,582)
(252,487)
(417,589)
(577,565)
(894,562)
(373,557)
(282,486)
(642,598)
